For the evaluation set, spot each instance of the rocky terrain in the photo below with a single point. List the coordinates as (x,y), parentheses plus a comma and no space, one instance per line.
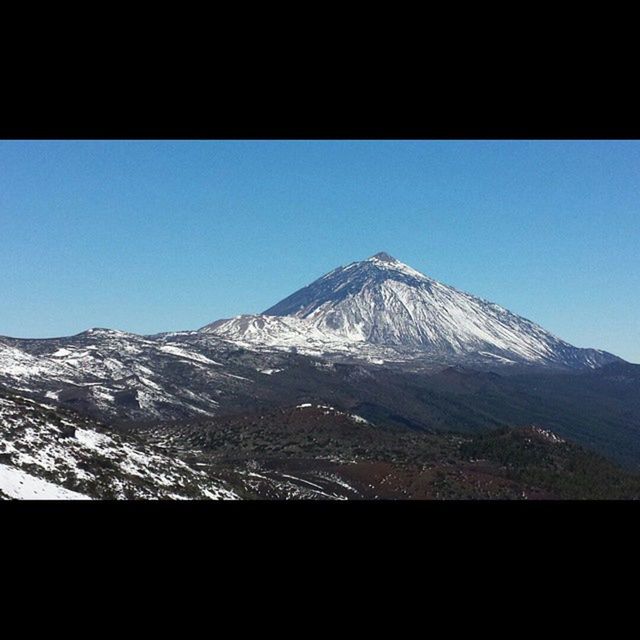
(303,452)
(318,452)
(53,454)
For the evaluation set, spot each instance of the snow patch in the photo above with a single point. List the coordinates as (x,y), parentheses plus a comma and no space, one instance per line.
(20,485)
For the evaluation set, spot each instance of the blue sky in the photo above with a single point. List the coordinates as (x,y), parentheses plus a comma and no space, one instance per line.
(149,236)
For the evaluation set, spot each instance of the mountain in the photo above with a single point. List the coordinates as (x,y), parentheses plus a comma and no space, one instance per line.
(375,339)
(381,308)
(115,375)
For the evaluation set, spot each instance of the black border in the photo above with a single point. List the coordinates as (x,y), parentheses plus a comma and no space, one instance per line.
(565,524)
(460,103)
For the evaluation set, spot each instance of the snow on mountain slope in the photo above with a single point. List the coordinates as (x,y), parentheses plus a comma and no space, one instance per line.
(120,373)
(280,331)
(49,454)
(18,485)
(381,302)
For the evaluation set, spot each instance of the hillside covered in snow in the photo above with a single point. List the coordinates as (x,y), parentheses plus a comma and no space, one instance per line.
(48,454)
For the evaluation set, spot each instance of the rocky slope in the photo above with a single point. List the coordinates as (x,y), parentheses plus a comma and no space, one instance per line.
(51,454)
(113,374)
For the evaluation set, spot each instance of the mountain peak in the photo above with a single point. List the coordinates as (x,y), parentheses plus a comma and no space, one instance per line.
(385,257)
(383,303)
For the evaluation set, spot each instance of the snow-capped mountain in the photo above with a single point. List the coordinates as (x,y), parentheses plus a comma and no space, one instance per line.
(382,307)
(370,346)
(375,312)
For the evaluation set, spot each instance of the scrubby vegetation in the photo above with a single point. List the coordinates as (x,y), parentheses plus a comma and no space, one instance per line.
(307,451)
(560,468)
(317,444)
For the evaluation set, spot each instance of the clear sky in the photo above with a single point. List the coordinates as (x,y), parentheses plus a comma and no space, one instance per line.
(150,236)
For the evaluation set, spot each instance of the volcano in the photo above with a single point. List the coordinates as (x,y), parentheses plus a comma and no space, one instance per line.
(383,303)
